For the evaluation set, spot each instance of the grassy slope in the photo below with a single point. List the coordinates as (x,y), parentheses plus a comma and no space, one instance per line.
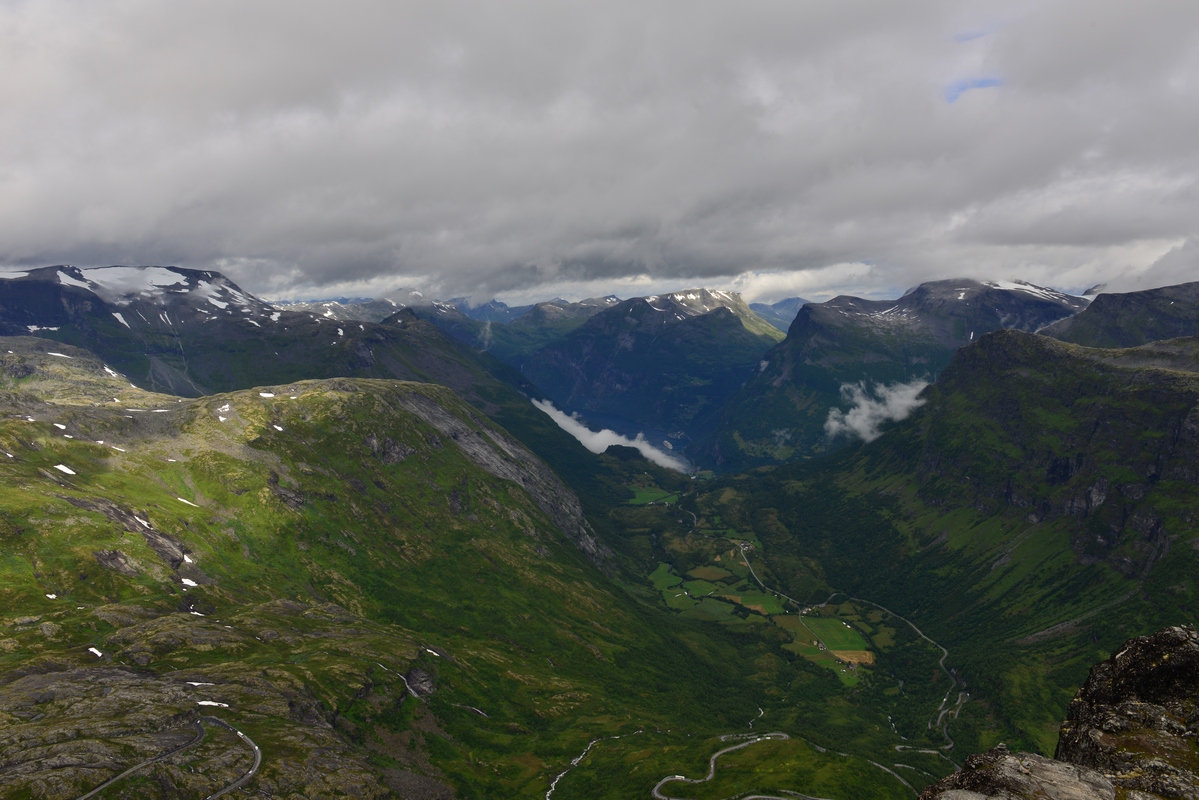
(323,574)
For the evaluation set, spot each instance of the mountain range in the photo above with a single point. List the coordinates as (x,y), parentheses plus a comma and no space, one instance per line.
(333,555)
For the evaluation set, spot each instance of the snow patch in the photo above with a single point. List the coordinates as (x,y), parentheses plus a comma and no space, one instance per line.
(95,652)
(189,582)
(1028,288)
(119,284)
(193,505)
(266,394)
(212,703)
(64,469)
(121,319)
(68,280)
(52,596)
(59,355)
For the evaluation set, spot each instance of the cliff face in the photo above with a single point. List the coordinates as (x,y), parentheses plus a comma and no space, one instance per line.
(1129,733)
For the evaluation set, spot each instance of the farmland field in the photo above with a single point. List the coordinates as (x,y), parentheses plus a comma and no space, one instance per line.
(835,634)
(709,573)
(760,602)
(650,494)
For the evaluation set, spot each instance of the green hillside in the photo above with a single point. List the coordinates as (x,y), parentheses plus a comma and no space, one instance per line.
(382,590)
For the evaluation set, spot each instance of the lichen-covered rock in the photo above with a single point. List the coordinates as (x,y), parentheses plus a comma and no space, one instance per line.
(1130,733)
(1000,775)
(1137,716)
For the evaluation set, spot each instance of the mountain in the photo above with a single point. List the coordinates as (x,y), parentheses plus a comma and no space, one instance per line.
(191,332)
(509,334)
(514,341)
(1134,318)
(365,310)
(780,314)
(1035,511)
(359,587)
(491,311)
(345,310)
(666,361)
(541,324)
(847,341)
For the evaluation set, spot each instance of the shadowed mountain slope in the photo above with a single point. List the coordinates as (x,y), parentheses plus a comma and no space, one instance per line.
(1134,318)
(780,314)
(666,361)
(781,413)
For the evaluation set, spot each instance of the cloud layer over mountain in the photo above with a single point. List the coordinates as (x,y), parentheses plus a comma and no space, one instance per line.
(537,148)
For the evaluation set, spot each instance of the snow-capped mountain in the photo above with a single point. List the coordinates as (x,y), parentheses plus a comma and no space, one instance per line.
(193,332)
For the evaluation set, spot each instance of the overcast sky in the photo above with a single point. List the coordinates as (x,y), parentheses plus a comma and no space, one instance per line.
(531,149)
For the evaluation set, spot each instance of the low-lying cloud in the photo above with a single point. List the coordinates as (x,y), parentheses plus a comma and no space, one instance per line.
(599,441)
(873,407)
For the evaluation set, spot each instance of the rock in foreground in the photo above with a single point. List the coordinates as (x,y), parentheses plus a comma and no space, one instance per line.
(1129,733)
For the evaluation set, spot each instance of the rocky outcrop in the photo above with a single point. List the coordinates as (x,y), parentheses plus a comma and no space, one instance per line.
(1137,716)
(504,457)
(1000,775)
(1129,733)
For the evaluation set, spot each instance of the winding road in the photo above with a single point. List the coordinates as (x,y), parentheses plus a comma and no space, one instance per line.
(776,736)
(200,732)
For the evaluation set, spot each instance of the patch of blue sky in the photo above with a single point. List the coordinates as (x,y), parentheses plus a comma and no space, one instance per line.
(969,36)
(956,89)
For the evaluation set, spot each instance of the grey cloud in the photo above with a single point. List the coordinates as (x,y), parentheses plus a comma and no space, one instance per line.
(490,148)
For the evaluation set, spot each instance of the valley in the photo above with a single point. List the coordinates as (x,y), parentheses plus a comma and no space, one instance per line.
(392,575)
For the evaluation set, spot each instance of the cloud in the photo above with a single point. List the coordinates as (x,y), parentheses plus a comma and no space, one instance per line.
(873,408)
(599,441)
(480,148)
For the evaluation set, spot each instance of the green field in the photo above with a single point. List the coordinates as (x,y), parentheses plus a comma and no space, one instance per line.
(701,588)
(643,495)
(755,600)
(709,573)
(662,578)
(835,634)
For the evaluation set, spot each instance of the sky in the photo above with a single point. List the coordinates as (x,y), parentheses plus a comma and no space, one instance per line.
(527,150)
